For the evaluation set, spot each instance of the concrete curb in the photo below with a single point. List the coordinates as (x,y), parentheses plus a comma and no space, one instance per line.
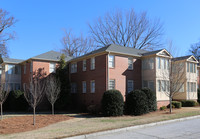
(85,136)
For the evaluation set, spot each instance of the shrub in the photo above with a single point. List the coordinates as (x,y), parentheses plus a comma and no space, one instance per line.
(163,108)
(175,104)
(136,103)
(198,100)
(151,99)
(188,103)
(168,106)
(112,103)
(16,101)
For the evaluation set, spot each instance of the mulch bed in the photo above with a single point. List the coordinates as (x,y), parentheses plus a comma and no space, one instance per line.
(25,123)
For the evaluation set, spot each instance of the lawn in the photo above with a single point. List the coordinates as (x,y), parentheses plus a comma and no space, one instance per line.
(83,124)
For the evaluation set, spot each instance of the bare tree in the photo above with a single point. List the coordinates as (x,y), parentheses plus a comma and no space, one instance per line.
(127,29)
(195,50)
(6,22)
(34,90)
(52,89)
(76,46)
(3,96)
(174,79)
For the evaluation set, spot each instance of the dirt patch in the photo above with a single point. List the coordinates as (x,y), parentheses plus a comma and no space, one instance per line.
(25,123)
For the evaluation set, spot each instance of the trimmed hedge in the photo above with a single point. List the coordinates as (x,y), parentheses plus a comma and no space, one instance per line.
(136,103)
(112,103)
(163,108)
(175,104)
(151,99)
(188,103)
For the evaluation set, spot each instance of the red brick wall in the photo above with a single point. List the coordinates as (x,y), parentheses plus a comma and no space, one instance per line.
(25,78)
(121,74)
(162,103)
(98,74)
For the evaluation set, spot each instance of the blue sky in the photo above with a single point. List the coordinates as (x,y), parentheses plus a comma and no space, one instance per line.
(41,22)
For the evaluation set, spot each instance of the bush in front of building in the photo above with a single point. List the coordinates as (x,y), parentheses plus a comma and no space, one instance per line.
(175,104)
(188,103)
(163,108)
(16,101)
(136,103)
(112,103)
(198,100)
(151,99)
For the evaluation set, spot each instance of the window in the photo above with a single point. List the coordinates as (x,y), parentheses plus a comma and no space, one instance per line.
(167,63)
(194,68)
(159,64)
(11,69)
(17,69)
(73,67)
(52,68)
(163,85)
(31,67)
(130,86)
(92,85)
(191,67)
(130,63)
(111,84)
(84,65)
(92,66)
(191,87)
(25,68)
(148,64)
(148,84)
(111,62)
(182,88)
(84,86)
(159,85)
(73,88)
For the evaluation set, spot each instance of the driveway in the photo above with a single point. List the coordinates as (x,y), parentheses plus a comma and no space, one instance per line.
(188,129)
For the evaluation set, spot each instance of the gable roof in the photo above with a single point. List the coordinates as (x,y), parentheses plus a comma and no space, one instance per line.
(181,58)
(11,60)
(184,58)
(152,52)
(50,56)
(114,48)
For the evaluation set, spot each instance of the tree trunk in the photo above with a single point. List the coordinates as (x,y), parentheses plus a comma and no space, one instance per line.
(33,115)
(52,109)
(170,99)
(1,111)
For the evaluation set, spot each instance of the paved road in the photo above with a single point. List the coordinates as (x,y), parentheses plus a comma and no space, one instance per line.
(188,129)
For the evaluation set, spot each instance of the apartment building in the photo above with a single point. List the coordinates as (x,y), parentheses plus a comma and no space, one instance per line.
(188,91)
(117,67)
(110,67)
(11,73)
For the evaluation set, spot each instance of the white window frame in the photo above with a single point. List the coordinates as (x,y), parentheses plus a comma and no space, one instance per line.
(74,67)
(111,84)
(111,61)
(92,63)
(130,86)
(52,67)
(84,86)
(84,65)
(130,63)
(92,86)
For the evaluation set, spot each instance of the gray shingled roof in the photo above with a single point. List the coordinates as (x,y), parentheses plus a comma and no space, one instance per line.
(11,60)
(51,56)
(152,52)
(181,58)
(117,49)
